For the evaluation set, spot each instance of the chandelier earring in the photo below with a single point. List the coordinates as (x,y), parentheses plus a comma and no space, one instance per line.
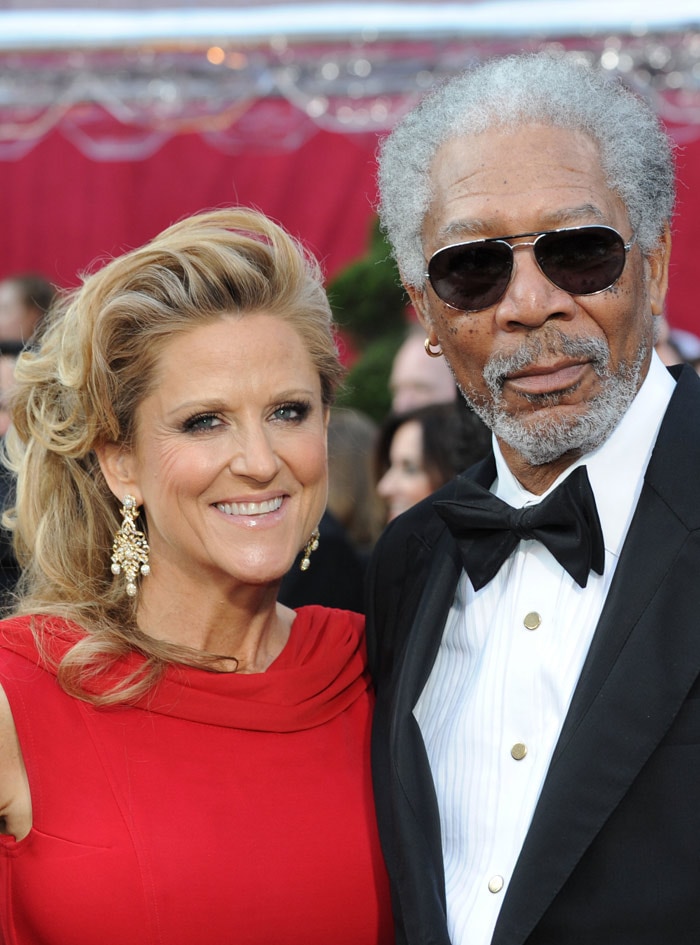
(430,351)
(309,548)
(130,548)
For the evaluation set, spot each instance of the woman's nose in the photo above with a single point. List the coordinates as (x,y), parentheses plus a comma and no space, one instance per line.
(254,455)
(385,486)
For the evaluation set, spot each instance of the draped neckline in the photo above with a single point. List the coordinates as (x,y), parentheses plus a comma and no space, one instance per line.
(320,672)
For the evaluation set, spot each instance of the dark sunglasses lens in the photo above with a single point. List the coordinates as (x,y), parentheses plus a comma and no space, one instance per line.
(582,261)
(471,276)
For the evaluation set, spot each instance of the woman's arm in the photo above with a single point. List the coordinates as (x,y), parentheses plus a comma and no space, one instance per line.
(15,798)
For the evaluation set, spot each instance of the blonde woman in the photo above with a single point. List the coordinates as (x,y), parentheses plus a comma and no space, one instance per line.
(181,757)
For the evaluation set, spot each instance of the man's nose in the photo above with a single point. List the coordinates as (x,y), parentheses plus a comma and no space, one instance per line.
(531,299)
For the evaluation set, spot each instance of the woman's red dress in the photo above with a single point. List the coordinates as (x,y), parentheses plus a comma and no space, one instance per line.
(222,809)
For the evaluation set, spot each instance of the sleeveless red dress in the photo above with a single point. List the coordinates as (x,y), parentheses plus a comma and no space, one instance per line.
(222,809)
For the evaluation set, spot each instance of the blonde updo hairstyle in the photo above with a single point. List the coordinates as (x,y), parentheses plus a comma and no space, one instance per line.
(80,388)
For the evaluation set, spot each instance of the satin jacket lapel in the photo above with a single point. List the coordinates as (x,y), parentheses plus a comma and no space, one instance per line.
(644,658)
(432,580)
(426,608)
(430,588)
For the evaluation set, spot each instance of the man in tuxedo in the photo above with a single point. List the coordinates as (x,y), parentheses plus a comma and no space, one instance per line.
(534,627)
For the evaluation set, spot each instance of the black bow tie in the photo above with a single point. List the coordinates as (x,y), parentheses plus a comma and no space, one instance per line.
(488,530)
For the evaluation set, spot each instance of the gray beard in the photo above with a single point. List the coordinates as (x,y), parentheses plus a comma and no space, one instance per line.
(544,440)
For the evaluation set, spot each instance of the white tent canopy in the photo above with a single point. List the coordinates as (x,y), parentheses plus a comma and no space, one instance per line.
(54,27)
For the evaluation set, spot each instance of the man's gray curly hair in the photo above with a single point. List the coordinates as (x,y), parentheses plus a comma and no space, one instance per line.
(636,154)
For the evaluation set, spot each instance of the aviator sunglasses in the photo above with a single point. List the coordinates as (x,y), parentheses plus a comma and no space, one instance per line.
(581,260)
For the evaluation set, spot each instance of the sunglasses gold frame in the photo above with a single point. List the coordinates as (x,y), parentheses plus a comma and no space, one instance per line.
(506,240)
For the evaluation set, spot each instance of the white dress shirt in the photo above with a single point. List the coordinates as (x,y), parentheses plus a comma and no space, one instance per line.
(511,655)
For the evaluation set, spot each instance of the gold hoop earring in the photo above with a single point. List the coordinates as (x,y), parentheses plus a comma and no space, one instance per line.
(429,351)
(309,548)
(130,548)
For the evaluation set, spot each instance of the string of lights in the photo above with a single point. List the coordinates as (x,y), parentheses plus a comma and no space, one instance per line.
(121,103)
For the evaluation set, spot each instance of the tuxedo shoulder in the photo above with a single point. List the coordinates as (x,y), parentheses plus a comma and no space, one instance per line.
(673,472)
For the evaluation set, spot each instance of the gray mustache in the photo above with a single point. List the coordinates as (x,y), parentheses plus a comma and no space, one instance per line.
(554,343)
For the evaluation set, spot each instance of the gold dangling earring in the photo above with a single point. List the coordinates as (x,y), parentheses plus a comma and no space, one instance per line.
(429,351)
(309,548)
(130,549)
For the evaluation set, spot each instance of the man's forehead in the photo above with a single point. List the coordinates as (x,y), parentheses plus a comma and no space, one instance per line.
(495,180)
(531,147)
(551,219)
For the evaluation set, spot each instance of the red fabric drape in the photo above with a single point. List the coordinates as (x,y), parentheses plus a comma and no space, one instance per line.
(60,212)
(682,304)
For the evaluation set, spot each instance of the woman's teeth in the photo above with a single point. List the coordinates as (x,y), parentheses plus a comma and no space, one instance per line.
(250,508)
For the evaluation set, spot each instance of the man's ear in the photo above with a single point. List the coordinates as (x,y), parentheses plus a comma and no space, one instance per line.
(420,304)
(658,261)
(117,465)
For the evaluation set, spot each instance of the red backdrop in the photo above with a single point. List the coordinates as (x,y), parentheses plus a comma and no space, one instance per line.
(60,212)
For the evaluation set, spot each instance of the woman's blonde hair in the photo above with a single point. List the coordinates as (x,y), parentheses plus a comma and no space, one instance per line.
(80,388)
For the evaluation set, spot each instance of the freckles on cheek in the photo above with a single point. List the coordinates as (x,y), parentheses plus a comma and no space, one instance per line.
(618,292)
(466,337)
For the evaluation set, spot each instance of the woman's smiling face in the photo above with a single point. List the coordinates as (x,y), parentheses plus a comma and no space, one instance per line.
(229,459)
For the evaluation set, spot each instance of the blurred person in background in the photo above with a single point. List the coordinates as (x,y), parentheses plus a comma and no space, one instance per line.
(664,343)
(9,568)
(352,439)
(24,300)
(417,379)
(421,449)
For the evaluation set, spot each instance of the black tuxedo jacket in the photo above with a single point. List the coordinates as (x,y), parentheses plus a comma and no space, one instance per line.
(612,856)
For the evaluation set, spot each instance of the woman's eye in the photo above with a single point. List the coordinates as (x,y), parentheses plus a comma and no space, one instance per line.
(412,469)
(203,421)
(294,412)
